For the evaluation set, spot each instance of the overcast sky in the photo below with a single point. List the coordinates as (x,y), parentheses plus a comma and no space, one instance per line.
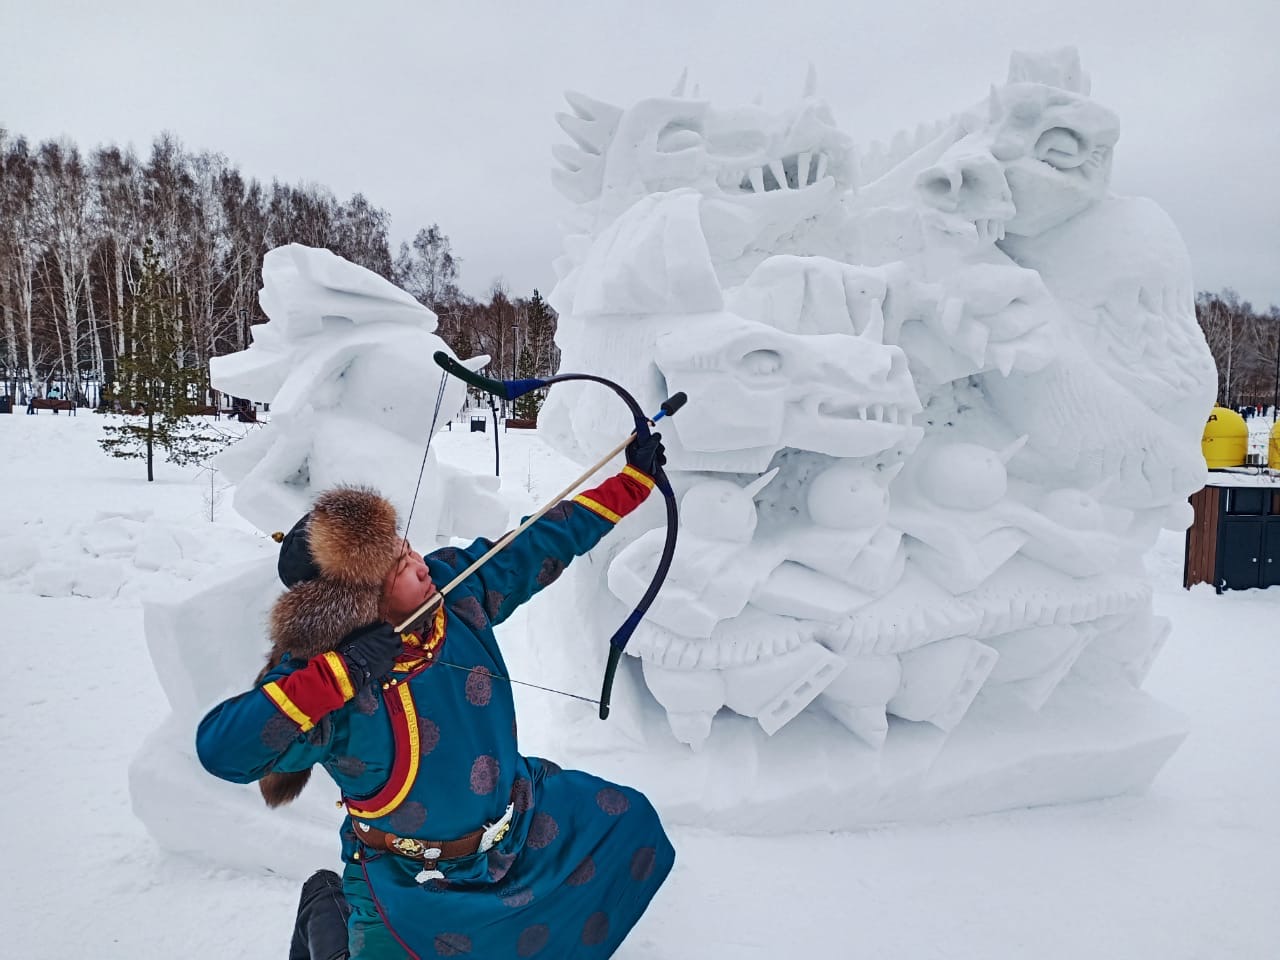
(445,112)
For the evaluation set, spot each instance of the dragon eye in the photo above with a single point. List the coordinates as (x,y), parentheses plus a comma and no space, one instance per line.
(1060,148)
(678,135)
(761,362)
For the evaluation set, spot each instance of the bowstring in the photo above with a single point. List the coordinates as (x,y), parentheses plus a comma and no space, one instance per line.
(523,683)
(435,416)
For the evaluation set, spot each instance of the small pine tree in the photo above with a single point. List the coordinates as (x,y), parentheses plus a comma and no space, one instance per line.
(535,357)
(153,377)
(527,406)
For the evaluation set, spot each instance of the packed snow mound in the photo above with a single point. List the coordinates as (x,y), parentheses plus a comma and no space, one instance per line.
(117,553)
(941,401)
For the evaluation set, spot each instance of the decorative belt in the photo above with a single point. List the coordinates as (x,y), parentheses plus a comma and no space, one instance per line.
(429,852)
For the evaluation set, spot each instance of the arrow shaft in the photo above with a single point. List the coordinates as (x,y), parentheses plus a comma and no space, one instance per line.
(438,598)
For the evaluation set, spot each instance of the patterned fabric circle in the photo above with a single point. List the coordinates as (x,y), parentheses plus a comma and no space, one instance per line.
(408,818)
(367,701)
(516,896)
(582,873)
(428,736)
(278,732)
(349,766)
(479,687)
(469,612)
(493,603)
(550,571)
(532,940)
(642,863)
(552,768)
(499,864)
(612,801)
(484,775)
(522,794)
(595,929)
(452,944)
(542,831)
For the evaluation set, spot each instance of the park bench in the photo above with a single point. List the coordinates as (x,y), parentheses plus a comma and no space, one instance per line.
(44,403)
(517,424)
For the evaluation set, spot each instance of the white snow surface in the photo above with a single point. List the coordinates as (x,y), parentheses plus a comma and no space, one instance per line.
(1185,870)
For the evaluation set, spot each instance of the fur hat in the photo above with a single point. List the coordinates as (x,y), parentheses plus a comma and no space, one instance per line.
(334,562)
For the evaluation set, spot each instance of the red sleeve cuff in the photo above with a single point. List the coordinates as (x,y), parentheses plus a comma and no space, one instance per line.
(618,495)
(306,695)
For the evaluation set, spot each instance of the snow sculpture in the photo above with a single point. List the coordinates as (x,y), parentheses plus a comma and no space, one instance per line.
(345,363)
(943,396)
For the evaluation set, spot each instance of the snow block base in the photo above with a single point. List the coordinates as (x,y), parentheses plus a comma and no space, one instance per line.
(1089,742)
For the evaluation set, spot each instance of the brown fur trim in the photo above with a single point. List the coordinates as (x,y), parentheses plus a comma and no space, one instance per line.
(311,618)
(353,536)
(279,788)
(307,620)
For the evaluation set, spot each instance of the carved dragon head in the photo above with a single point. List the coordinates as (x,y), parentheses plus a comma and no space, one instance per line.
(1040,155)
(751,165)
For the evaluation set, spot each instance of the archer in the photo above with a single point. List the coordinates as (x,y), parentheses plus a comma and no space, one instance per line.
(454,843)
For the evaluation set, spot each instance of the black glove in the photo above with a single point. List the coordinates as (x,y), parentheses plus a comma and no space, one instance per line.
(370,652)
(647,456)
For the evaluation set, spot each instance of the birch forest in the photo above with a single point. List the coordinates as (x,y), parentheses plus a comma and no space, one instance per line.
(74,224)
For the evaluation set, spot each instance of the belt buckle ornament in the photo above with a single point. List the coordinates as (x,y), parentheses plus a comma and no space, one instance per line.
(407,846)
(498,829)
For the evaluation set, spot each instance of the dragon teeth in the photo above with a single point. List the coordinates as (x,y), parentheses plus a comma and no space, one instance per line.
(802,168)
(775,166)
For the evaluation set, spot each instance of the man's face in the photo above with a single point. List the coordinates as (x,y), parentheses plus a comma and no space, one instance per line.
(408,586)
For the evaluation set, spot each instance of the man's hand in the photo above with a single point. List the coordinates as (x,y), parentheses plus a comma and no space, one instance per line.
(370,652)
(647,456)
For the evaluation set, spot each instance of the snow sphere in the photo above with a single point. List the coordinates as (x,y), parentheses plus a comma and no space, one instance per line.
(848,497)
(718,510)
(1073,509)
(964,476)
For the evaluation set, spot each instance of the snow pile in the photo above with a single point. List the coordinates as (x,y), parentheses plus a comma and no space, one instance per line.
(938,411)
(110,553)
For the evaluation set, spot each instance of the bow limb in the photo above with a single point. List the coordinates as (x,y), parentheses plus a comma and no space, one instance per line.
(511,389)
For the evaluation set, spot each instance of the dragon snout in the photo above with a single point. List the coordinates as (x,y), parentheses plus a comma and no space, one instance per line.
(971,186)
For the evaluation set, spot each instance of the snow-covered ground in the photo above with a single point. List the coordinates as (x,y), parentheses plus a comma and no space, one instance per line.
(1188,870)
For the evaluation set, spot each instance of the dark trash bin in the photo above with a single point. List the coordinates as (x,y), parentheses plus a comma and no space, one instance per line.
(478,424)
(6,404)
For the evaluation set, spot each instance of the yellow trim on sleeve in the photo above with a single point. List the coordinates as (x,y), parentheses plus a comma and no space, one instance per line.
(287,706)
(338,667)
(597,508)
(635,474)
(415,748)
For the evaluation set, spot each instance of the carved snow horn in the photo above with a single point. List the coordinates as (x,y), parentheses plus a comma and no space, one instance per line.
(1006,454)
(758,484)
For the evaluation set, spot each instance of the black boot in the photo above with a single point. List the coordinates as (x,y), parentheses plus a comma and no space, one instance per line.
(320,932)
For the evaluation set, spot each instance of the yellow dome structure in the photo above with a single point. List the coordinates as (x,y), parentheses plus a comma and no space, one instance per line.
(1226,440)
(1273,448)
